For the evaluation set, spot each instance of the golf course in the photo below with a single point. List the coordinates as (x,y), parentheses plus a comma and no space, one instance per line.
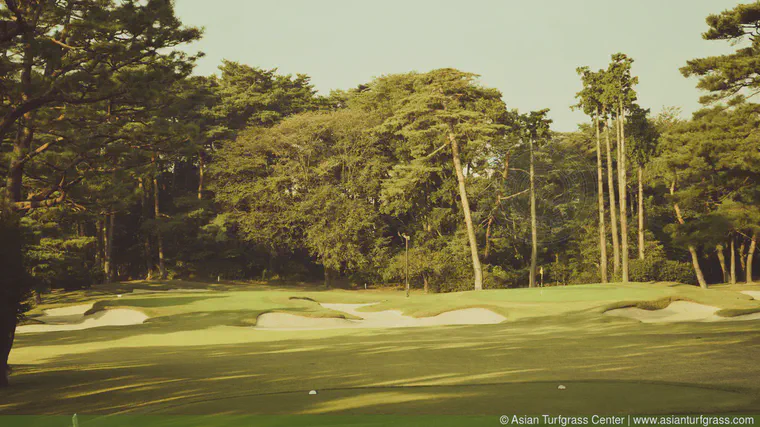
(427,213)
(198,351)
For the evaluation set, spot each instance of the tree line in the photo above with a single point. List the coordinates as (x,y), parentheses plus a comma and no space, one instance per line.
(120,164)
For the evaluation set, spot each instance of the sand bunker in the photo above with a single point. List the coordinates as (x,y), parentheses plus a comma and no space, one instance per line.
(73,319)
(376,319)
(753,294)
(678,311)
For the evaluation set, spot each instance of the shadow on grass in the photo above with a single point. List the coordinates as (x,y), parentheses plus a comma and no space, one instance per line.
(607,364)
(156,302)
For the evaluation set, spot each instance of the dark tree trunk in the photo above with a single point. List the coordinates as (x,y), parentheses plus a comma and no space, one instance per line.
(732,247)
(7,335)
(406,264)
(14,283)
(201,172)
(21,145)
(488,239)
(328,278)
(157,213)
(24,134)
(144,204)
(108,267)
(99,244)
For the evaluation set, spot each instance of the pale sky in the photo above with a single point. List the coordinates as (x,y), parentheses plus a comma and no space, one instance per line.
(528,49)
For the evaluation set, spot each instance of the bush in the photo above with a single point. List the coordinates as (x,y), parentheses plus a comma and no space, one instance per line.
(675,271)
(495,277)
(646,270)
(557,273)
(653,269)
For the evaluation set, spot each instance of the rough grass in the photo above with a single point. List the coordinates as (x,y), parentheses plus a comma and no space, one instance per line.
(198,355)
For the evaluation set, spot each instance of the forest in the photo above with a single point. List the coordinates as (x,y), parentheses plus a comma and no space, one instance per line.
(120,163)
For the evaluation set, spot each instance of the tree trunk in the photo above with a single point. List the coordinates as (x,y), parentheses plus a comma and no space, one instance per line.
(157,213)
(504,176)
(600,204)
(533,226)
(613,212)
(488,238)
(751,257)
(406,264)
(732,248)
(11,251)
(692,249)
(7,336)
(722,262)
(327,277)
(743,257)
(425,284)
(622,184)
(21,145)
(201,171)
(147,253)
(641,212)
(698,271)
(108,267)
(13,283)
(24,133)
(100,244)
(467,215)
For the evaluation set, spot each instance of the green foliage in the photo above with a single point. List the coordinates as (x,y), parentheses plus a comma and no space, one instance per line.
(642,134)
(730,75)
(250,96)
(342,184)
(15,283)
(58,257)
(676,271)
(316,177)
(712,162)
(656,267)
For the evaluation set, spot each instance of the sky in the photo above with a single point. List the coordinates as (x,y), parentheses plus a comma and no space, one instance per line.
(528,49)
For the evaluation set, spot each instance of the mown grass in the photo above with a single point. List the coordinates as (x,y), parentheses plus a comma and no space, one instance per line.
(198,355)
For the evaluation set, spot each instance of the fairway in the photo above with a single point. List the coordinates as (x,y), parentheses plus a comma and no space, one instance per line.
(199,353)
(407,213)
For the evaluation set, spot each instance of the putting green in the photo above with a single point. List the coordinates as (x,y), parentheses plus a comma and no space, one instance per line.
(579,398)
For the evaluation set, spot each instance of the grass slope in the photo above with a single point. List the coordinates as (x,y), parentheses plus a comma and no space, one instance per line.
(193,356)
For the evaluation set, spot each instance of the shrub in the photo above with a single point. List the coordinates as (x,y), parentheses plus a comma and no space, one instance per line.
(660,270)
(646,270)
(675,271)
(498,278)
